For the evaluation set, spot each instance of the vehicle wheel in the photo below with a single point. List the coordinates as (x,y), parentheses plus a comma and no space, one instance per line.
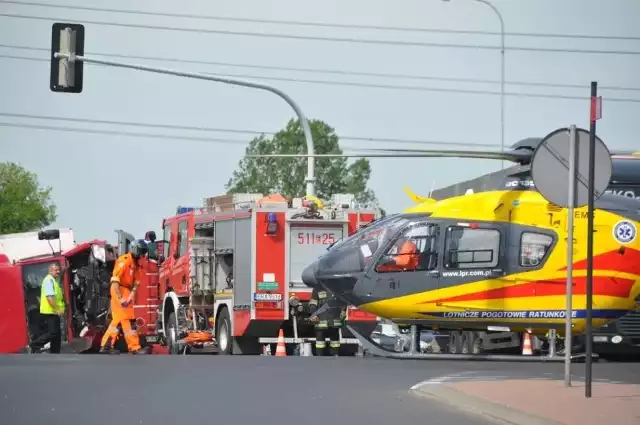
(171,334)
(223,332)
(455,342)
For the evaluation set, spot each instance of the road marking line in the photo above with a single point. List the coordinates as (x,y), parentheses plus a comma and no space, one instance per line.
(441,379)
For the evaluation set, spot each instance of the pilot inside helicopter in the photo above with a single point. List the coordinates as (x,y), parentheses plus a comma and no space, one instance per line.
(408,251)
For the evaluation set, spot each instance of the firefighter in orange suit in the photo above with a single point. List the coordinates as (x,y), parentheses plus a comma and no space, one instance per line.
(124,283)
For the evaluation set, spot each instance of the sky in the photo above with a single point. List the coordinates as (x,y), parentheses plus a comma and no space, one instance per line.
(103,182)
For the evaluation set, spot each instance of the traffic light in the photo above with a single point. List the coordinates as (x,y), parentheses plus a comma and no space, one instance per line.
(66,72)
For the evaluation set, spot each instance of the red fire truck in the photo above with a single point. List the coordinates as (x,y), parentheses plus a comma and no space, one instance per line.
(232,270)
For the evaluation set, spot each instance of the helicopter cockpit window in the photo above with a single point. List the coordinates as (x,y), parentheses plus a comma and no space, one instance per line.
(533,248)
(414,250)
(364,229)
(371,238)
(355,253)
(468,248)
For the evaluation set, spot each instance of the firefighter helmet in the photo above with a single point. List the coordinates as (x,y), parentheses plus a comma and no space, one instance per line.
(138,248)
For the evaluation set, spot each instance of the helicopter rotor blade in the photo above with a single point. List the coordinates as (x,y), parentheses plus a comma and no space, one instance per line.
(407,153)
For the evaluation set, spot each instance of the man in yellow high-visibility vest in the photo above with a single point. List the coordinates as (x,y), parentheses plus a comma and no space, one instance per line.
(52,309)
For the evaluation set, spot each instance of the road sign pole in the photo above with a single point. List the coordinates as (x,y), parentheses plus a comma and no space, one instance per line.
(590,212)
(570,218)
(556,155)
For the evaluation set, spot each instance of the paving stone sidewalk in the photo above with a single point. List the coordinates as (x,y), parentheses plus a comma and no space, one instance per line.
(542,402)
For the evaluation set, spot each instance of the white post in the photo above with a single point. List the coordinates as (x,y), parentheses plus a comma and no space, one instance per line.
(571,202)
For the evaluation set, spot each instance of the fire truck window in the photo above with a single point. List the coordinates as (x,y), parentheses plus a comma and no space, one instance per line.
(533,248)
(33,274)
(414,250)
(167,237)
(182,238)
(468,248)
(127,245)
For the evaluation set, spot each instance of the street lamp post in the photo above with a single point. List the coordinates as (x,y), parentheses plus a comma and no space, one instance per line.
(502,70)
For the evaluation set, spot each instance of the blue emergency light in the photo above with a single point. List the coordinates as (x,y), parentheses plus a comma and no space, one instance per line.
(272,223)
(182,210)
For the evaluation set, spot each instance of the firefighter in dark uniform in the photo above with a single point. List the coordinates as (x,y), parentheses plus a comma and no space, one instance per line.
(327,323)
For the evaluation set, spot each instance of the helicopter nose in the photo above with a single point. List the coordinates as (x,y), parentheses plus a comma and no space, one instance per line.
(325,282)
(309,275)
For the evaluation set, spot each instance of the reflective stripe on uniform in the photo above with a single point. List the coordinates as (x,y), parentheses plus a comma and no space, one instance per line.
(322,324)
(337,323)
(321,344)
(131,332)
(313,302)
(334,344)
(322,294)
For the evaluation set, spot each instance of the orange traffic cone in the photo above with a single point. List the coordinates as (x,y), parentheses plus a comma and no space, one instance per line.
(281,350)
(526,345)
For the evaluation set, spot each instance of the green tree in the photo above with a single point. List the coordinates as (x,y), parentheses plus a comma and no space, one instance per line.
(287,175)
(24,205)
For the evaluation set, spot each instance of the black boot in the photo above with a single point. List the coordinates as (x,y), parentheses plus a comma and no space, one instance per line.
(108,349)
(143,350)
(334,351)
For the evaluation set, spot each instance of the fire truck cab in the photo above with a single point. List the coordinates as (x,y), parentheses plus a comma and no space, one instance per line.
(232,270)
(85,268)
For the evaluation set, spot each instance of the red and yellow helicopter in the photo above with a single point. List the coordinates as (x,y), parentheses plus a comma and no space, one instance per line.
(486,259)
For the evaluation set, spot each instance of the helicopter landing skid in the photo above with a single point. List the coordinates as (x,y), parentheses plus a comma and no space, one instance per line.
(375,349)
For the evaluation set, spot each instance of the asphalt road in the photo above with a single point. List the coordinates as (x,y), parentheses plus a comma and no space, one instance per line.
(97,390)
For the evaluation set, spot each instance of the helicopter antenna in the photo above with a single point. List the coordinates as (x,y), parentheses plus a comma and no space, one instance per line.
(433,187)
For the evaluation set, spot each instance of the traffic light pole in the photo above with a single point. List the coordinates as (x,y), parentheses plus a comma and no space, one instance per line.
(71,58)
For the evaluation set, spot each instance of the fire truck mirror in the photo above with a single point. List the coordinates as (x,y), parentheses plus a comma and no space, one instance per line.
(48,235)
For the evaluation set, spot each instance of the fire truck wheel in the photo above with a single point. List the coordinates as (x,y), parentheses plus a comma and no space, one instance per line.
(223,332)
(171,334)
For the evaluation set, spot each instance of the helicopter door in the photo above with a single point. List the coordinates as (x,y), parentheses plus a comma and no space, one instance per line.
(406,265)
(124,241)
(472,253)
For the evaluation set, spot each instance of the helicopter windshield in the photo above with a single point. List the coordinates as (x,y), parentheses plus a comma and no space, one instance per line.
(362,230)
(354,253)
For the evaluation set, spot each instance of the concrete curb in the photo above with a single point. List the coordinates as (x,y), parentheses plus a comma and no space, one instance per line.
(496,412)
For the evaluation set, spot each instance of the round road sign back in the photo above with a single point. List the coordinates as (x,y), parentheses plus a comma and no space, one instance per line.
(550,167)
